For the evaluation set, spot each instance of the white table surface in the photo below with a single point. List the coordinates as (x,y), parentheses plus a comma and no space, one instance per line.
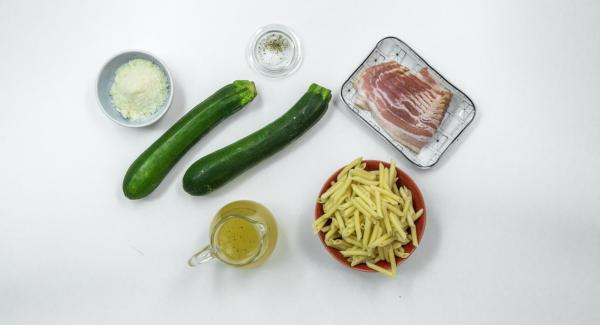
(513,232)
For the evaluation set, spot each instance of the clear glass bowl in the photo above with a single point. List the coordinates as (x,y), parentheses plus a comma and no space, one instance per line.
(274,51)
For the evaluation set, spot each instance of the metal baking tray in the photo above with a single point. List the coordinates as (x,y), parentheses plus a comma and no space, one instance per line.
(459,115)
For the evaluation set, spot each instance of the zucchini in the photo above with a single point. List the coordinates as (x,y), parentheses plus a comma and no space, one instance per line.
(214,170)
(151,167)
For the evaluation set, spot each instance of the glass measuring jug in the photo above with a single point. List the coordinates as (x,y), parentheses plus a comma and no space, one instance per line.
(242,234)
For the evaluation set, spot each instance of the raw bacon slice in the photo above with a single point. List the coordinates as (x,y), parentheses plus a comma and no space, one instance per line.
(410,107)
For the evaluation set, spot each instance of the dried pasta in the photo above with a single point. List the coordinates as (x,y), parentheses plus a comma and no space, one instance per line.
(367,217)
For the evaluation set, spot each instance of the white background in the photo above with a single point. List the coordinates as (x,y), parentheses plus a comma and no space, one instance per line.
(513,234)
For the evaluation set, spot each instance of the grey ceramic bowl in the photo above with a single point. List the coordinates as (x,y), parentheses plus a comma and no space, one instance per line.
(105,81)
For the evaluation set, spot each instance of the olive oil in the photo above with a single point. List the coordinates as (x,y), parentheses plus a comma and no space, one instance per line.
(244,233)
(238,240)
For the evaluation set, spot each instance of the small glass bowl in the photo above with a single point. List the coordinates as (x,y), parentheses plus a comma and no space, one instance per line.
(274,51)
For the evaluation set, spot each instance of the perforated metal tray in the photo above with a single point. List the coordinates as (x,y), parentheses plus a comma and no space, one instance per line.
(460,112)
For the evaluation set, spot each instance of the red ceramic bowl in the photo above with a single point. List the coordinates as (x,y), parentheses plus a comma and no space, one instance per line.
(418,203)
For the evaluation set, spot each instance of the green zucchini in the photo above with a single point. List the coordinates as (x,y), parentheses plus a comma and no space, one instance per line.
(214,170)
(151,167)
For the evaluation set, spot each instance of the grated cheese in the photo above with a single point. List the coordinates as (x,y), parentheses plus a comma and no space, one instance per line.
(139,89)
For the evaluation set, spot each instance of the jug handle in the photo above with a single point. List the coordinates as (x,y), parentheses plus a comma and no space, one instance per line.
(204,255)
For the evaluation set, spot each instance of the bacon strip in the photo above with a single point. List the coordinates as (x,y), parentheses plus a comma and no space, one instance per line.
(410,107)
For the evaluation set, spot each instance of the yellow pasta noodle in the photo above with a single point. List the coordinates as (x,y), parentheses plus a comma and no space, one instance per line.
(375,234)
(355,162)
(391,259)
(340,220)
(358,260)
(367,233)
(361,180)
(394,209)
(357,224)
(386,221)
(364,174)
(354,252)
(380,269)
(341,190)
(378,203)
(392,174)
(395,189)
(329,191)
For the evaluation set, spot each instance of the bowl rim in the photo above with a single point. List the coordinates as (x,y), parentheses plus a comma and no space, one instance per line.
(421,223)
(157,115)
